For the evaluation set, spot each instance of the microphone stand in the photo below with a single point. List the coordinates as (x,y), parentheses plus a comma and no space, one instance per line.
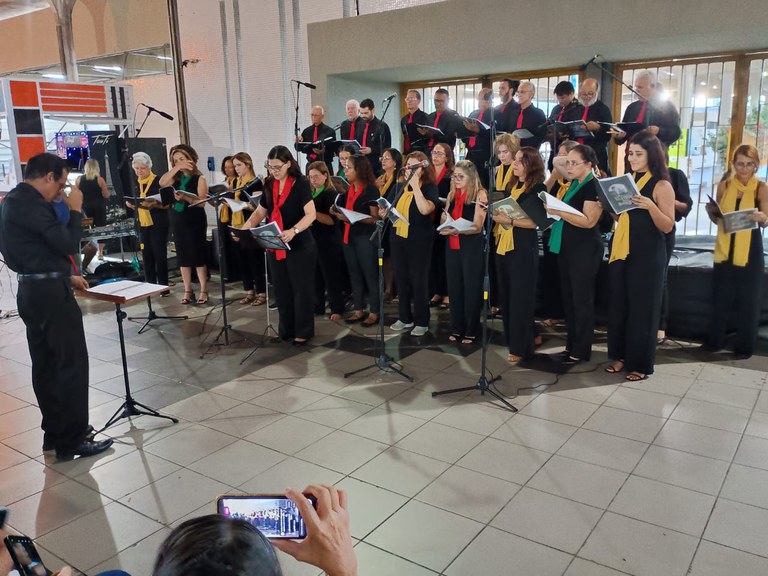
(620,81)
(381,360)
(218,200)
(296,117)
(483,383)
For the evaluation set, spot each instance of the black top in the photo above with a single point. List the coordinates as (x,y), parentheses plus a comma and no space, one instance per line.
(599,112)
(378,138)
(532,205)
(91,191)
(661,114)
(419,143)
(479,144)
(324,233)
(362,204)
(534,120)
(323,131)
(503,113)
(467,210)
(574,110)
(449,123)
(682,192)
(573,236)
(346,128)
(643,234)
(32,239)
(292,210)
(444,185)
(159,215)
(420,226)
(180,206)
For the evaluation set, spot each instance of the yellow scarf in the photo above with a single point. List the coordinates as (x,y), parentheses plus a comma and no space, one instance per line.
(503,177)
(145,218)
(620,245)
(224,211)
(238,218)
(563,189)
(505,237)
(404,207)
(387,184)
(741,240)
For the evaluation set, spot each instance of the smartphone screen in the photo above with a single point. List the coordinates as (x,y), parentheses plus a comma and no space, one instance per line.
(274,515)
(25,558)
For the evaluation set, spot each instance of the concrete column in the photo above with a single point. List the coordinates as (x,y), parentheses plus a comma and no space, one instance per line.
(63,9)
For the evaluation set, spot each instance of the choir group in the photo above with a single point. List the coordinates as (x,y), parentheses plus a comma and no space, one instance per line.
(434,243)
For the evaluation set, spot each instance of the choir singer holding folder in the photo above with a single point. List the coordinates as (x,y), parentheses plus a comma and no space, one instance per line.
(287,201)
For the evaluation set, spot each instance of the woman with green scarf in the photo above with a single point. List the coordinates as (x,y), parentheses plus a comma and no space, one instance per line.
(576,239)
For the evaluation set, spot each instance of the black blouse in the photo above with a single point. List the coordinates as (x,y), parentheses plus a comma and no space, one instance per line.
(362,204)
(292,210)
(573,235)
(323,202)
(420,226)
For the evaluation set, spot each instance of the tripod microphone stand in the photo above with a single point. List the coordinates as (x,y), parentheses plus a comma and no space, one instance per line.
(483,384)
(269,326)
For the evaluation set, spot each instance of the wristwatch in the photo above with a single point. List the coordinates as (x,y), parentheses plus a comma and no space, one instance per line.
(296,230)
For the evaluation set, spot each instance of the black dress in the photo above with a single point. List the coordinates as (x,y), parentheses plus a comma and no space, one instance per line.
(636,291)
(360,252)
(190,226)
(438,283)
(94,204)
(464,267)
(517,273)
(329,277)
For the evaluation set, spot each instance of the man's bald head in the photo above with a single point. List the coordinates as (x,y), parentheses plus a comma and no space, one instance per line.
(589,91)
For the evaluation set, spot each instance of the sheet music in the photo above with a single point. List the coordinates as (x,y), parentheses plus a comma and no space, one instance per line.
(236,205)
(127,289)
(557,204)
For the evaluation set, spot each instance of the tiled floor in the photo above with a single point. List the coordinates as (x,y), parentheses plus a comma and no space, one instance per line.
(593,477)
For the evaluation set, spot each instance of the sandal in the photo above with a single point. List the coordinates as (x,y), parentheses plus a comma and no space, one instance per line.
(202,300)
(636,377)
(372,320)
(260,300)
(616,367)
(468,339)
(514,358)
(189,297)
(355,317)
(454,337)
(248,298)
(335,317)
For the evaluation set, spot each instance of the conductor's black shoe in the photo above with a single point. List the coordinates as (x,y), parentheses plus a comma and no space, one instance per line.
(49,444)
(741,356)
(85,449)
(570,361)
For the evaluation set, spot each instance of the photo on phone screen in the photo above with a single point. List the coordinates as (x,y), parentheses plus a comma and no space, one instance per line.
(274,515)
(25,557)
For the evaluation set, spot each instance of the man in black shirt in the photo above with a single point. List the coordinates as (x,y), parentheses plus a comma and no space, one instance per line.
(351,128)
(596,111)
(445,119)
(528,117)
(502,112)
(414,116)
(376,136)
(477,136)
(566,110)
(37,246)
(318,132)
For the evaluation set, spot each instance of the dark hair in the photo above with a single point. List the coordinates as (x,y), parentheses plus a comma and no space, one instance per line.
(187,151)
(513,84)
(216,545)
(367,103)
(449,159)
(534,166)
(418,94)
(284,155)
(443,91)
(657,164)
(586,153)
(564,88)
(224,163)
(363,171)
(41,165)
(246,159)
(428,173)
(396,156)
(348,148)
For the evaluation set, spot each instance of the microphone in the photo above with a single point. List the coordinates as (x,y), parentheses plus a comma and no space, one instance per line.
(307,84)
(151,109)
(585,66)
(254,185)
(390,97)
(422,164)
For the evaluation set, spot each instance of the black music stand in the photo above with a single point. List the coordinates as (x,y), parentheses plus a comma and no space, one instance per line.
(122,293)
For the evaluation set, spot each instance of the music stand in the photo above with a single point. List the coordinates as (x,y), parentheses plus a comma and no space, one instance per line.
(122,293)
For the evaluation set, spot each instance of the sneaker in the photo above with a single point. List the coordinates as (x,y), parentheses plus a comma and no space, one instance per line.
(398,326)
(419,331)
(273,305)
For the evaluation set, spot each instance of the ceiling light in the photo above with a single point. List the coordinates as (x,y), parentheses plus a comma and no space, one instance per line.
(54,76)
(108,68)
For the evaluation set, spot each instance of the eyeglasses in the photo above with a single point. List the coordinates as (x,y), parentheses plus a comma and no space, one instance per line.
(573,163)
(458,176)
(744,164)
(273,169)
(437,153)
(411,99)
(385,159)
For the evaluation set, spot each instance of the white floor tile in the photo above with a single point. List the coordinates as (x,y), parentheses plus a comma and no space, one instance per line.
(557,409)
(625,424)
(739,526)
(237,462)
(725,394)
(651,403)
(289,435)
(374,561)
(711,415)
(440,442)
(504,460)
(369,505)
(753,452)
(384,425)
(534,432)
(697,473)
(401,471)
(341,451)
(604,450)
(699,440)
(290,473)
(715,560)
(579,481)
(746,485)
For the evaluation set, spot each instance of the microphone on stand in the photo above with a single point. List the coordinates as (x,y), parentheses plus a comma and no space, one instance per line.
(307,84)
(390,97)
(585,66)
(151,109)
(337,127)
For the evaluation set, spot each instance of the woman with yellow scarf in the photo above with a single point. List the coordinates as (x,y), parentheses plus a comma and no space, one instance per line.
(517,253)
(411,242)
(739,260)
(637,262)
(153,222)
(391,163)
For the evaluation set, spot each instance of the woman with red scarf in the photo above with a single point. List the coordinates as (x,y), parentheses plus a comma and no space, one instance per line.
(359,251)
(287,201)
(442,165)
(464,252)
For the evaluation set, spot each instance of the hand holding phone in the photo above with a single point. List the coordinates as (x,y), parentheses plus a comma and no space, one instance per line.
(275,515)
(25,557)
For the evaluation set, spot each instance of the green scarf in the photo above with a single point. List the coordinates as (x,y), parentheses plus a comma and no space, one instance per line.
(556,237)
(317,192)
(180,205)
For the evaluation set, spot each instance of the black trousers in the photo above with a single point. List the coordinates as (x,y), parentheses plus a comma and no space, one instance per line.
(738,287)
(635,308)
(294,282)
(465,284)
(410,259)
(330,273)
(549,283)
(669,246)
(578,266)
(59,359)
(154,251)
(251,266)
(360,256)
(438,283)
(517,272)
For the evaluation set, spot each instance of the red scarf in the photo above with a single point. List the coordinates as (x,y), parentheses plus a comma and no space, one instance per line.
(277,203)
(442,174)
(458,210)
(352,195)
(473,139)
(437,121)
(520,119)
(312,155)
(408,138)
(584,118)
(352,129)
(641,115)
(365,134)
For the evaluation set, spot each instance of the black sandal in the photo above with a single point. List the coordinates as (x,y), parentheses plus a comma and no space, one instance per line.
(454,337)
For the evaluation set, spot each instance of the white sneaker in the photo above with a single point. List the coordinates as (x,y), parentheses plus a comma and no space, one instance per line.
(419,331)
(398,326)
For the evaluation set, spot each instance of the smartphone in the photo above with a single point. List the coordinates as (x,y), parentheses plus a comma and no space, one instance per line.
(25,558)
(273,514)
(3,516)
